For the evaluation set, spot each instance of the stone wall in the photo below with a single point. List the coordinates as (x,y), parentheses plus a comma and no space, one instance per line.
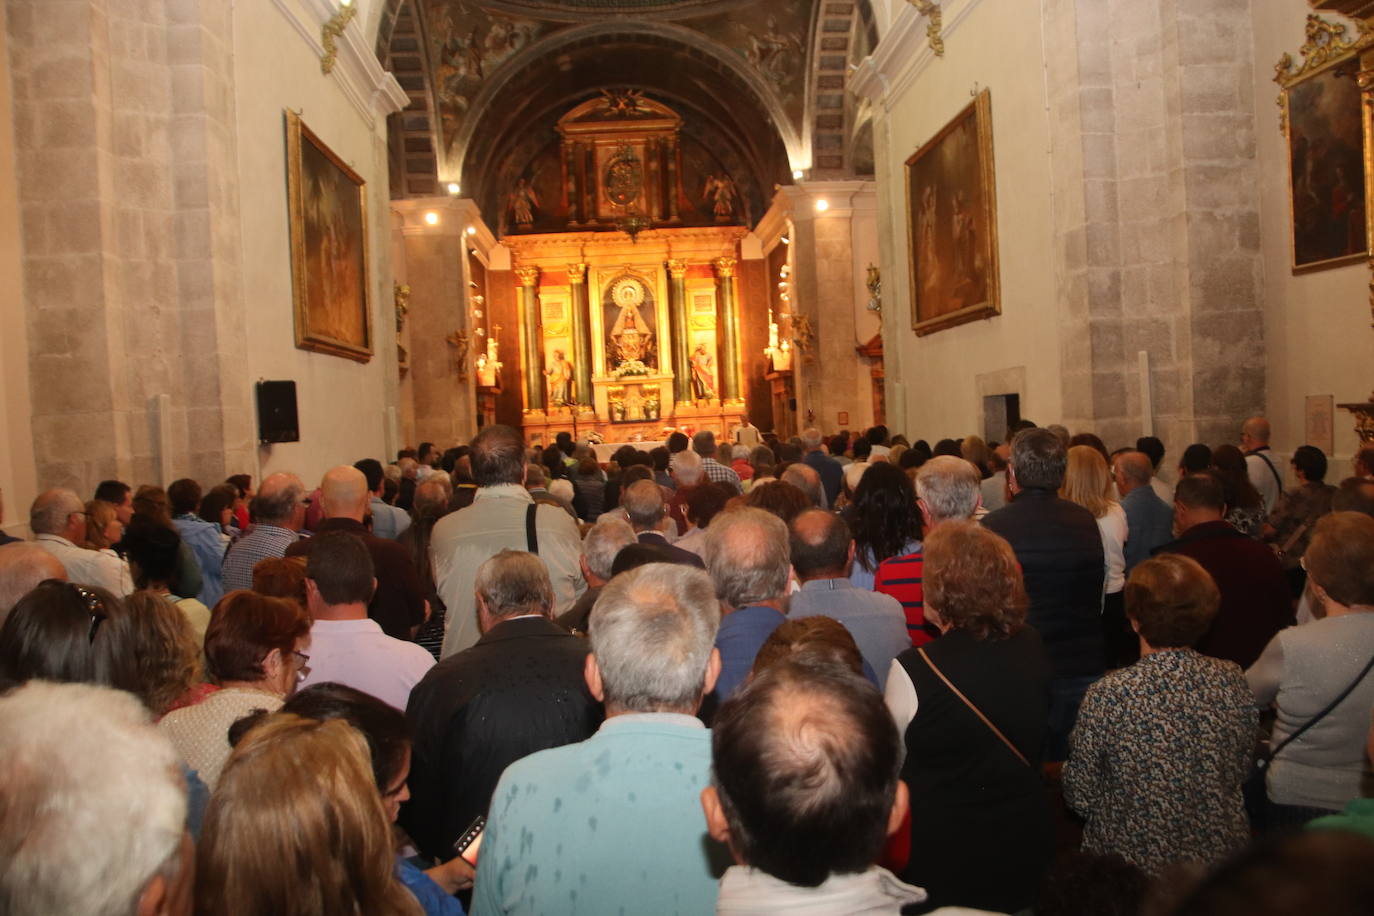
(1151,213)
(150,185)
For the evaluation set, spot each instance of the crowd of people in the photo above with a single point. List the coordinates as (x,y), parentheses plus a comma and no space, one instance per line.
(848,675)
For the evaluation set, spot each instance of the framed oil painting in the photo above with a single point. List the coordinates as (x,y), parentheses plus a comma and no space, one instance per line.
(952,223)
(1324,128)
(328,214)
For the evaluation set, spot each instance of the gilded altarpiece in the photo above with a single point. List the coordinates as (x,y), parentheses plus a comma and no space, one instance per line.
(651,370)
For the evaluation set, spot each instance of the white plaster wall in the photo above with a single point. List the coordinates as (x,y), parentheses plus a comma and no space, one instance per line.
(1317,325)
(341,402)
(998,46)
(17,475)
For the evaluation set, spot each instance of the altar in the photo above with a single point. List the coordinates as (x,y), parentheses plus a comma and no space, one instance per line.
(629,322)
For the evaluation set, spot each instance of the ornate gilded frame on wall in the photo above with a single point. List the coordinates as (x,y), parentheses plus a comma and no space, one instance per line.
(951,194)
(327,206)
(1321,109)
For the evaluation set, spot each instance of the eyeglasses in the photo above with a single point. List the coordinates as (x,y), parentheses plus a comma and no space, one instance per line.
(303,671)
(94,605)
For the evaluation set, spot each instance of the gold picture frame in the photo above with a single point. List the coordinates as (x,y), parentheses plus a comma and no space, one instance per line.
(1327,136)
(327,204)
(951,194)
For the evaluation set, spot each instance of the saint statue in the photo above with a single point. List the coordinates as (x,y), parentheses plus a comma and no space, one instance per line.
(489,363)
(560,373)
(703,385)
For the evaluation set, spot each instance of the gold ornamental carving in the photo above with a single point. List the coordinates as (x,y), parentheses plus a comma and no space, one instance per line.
(934,25)
(331,32)
(725,267)
(401,296)
(577,273)
(528,276)
(1326,42)
(677,269)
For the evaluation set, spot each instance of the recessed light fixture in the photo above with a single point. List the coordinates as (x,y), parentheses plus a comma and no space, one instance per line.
(432,218)
(453,188)
(822,205)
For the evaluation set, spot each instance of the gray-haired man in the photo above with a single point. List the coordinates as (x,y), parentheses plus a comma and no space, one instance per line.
(613,824)
(518,690)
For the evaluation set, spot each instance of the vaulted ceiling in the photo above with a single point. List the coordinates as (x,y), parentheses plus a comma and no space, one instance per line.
(760,80)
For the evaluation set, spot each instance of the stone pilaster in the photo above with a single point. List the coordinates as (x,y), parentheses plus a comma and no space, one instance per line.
(436,270)
(533,335)
(127,179)
(1158,222)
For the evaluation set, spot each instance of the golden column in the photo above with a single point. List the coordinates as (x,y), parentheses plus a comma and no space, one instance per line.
(727,329)
(677,317)
(582,337)
(534,337)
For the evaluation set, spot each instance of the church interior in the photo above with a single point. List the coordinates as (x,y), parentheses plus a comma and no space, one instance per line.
(618,218)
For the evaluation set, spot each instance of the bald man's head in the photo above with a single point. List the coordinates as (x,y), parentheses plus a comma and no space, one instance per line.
(344,493)
(1133,471)
(1256,430)
(278,501)
(821,545)
(23,566)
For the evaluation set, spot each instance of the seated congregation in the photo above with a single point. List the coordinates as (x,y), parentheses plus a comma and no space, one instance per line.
(854,675)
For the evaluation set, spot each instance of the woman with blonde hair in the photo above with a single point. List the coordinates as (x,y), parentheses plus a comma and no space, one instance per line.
(1088,482)
(103,527)
(295,840)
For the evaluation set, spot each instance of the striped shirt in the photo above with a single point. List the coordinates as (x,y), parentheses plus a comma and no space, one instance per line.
(900,577)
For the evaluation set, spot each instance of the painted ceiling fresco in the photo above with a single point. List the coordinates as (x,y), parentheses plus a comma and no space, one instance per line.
(469,42)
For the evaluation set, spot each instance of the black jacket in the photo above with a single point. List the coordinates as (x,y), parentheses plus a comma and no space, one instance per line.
(1059,548)
(520,689)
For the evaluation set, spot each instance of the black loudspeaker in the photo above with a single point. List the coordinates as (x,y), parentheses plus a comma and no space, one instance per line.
(277,413)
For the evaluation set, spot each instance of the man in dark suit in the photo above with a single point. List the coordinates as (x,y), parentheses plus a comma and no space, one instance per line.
(643,503)
(1254,590)
(399,604)
(520,689)
(1059,548)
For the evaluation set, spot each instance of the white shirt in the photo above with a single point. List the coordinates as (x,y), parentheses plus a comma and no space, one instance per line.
(358,654)
(746,891)
(100,568)
(1113,528)
(1270,486)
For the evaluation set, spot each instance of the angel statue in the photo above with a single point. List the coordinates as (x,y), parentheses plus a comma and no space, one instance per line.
(720,189)
(522,203)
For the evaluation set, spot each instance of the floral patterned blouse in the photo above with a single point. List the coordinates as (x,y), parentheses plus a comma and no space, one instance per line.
(1157,759)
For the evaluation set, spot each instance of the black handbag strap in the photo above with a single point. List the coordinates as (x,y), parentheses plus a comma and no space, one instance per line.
(531,536)
(1329,706)
(1272,470)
